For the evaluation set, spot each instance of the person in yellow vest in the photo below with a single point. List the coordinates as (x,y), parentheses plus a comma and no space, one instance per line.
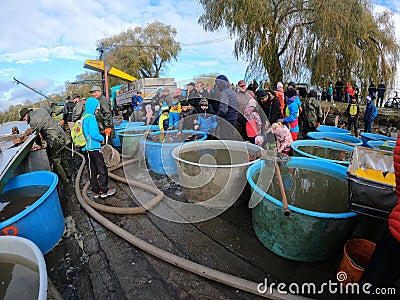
(353,110)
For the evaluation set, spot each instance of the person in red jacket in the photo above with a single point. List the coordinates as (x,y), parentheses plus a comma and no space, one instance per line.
(383,270)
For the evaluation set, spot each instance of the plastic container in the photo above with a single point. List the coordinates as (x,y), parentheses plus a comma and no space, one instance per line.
(382,145)
(43,221)
(211,177)
(326,128)
(368,195)
(322,144)
(131,135)
(335,137)
(14,245)
(305,235)
(159,154)
(357,254)
(365,137)
(117,128)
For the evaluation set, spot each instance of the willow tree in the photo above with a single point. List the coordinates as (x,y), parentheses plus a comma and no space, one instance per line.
(286,40)
(355,45)
(142,52)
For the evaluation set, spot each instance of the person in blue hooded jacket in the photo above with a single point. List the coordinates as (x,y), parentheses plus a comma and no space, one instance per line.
(94,140)
(370,114)
(292,112)
(228,106)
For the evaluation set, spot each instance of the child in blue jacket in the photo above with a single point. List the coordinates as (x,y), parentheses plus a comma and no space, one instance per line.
(206,121)
(99,186)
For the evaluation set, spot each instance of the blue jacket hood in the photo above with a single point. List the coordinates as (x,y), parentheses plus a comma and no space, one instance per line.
(90,105)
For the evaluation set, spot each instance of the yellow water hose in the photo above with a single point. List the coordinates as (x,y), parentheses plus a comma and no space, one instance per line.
(201,270)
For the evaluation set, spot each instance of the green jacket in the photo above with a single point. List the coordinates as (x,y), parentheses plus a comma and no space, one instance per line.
(40,121)
(104,116)
(312,112)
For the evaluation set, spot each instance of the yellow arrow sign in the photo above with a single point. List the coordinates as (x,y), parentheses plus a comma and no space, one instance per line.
(98,66)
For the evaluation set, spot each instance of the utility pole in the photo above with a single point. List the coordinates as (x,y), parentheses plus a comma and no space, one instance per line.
(102,57)
(31,88)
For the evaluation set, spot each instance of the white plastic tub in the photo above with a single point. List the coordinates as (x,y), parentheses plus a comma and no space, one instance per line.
(19,246)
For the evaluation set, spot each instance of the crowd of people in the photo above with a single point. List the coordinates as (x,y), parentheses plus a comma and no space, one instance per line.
(223,110)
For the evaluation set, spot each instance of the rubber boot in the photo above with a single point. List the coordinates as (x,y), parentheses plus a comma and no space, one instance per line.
(61,173)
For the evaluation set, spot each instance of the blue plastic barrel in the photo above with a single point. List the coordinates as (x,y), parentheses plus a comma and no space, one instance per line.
(326,128)
(382,145)
(365,137)
(159,154)
(335,137)
(305,235)
(43,221)
(117,128)
(322,144)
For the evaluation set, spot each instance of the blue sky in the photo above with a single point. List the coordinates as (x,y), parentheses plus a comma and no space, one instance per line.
(45,43)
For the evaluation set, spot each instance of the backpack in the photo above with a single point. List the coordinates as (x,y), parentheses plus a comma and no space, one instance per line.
(78,138)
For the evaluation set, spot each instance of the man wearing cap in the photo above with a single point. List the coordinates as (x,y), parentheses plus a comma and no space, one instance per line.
(104,115)
(78,108)
(56,139)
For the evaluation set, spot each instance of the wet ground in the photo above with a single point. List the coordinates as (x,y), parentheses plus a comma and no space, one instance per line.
(91,262)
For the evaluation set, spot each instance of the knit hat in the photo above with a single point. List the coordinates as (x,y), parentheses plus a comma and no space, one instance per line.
(164,107)
(262,94)
(222,77)
(253,103)
(279,85)
(184,103)
(175,103)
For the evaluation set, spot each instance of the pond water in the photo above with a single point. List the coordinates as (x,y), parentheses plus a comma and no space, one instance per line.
(311,190)
(328,153)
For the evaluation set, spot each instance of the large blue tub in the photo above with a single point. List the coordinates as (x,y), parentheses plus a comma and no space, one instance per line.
(43,221)
(382,145)
(345,160)
(305,235)
(333,136)
(326,128)
(117,128)
(365,137)
(159,154)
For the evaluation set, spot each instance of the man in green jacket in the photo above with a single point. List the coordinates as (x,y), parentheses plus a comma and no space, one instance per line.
(104,116)
(56,139)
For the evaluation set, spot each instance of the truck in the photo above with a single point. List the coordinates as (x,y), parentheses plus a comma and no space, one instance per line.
(144,87)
